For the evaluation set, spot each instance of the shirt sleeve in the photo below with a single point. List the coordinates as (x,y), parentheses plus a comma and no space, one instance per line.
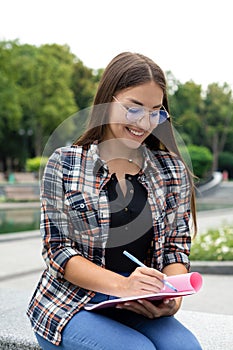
(55,225)
(178,237)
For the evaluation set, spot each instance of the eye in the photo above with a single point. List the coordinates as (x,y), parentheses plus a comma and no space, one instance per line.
(134,109)
(154,114)
(163,116)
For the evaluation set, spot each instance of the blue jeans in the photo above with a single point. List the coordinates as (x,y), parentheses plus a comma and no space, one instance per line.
(118,329)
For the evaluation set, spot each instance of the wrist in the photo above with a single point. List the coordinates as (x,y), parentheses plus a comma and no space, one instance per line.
(120,287)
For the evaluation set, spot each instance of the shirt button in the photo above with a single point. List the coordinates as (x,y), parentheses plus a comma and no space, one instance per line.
(131,191)
(82,205)
(126,209)
(129,178)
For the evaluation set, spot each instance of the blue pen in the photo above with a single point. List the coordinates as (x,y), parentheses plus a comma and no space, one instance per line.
(139,263)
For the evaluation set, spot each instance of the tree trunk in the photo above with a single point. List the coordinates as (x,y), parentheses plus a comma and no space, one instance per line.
(38,141)
(215,150)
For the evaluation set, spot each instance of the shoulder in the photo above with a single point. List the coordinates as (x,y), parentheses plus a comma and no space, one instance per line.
(67,153)
(168,159)
(169,165)
(65,158)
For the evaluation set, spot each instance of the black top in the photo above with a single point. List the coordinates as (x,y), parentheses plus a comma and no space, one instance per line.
(131,224)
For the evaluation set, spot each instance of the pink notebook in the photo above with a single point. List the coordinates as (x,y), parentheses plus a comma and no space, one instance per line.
(186,284)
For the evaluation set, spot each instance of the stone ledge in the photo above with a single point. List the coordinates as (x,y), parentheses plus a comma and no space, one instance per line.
(214,331)
(213,267)
(15,328)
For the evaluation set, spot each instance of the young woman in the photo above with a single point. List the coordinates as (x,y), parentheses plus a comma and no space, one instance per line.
(121,186)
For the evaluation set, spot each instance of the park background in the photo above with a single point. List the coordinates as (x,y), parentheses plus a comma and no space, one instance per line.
(52,55)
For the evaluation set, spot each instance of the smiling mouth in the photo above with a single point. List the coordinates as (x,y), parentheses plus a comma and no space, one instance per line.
(136,132)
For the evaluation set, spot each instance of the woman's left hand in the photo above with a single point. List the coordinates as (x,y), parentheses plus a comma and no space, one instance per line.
(167,307)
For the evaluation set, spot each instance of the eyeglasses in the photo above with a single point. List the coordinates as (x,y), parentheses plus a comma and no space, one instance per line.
(134,114)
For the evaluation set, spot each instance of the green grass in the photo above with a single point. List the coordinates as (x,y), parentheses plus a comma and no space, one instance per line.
(9,227)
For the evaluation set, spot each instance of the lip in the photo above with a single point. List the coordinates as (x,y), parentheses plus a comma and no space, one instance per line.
(136,133)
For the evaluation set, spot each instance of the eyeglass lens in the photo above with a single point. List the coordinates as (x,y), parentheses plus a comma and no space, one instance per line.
(156,117)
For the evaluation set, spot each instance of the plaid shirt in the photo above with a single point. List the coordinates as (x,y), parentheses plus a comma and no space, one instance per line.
(75,218)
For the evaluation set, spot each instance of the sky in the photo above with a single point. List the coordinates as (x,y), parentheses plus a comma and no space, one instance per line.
(190,38)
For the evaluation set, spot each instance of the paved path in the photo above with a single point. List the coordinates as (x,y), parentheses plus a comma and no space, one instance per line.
(212,219)
(221,198)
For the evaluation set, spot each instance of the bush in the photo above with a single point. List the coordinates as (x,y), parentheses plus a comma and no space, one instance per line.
(213,245)
(201,158)
(34,164)
(226,163)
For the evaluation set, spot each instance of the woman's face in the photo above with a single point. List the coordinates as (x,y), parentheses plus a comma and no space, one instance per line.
(130,132)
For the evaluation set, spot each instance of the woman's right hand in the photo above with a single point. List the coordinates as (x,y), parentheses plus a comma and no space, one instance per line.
(144,280)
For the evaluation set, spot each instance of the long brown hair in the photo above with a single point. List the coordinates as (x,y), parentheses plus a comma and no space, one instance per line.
(124,71)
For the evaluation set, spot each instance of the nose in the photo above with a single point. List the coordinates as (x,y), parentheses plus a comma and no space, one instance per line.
(144,122)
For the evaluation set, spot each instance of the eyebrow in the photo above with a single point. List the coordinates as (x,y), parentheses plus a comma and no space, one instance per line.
(141,104)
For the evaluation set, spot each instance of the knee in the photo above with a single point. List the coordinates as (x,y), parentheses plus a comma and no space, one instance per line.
(188,343)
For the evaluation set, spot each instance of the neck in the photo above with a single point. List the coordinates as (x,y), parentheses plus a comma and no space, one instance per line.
(115,149)
(122,161)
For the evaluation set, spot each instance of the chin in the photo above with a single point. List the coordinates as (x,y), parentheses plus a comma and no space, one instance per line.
(133,144)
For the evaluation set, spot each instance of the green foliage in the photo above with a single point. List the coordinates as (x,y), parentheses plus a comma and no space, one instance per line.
(10,109)
(201,159)
(186,104)
(213,245)
(190,95)
(203,118)
(34,164)
(217,118)
(226,162)
(84,84)
(42,86)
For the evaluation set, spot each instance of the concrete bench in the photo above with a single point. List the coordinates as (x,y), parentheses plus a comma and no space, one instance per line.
(214,331)
(15,328)
(21,193)
(23,177)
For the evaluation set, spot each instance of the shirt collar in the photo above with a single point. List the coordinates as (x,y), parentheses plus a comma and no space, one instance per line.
(99,165)
(149,159)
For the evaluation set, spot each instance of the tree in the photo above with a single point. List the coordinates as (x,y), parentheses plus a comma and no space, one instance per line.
(10,108)
(84,84)
(186,106)
(217,118)
(46,95)
(35,97)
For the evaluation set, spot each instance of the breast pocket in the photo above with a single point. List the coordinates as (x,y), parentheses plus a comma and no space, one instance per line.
(83,211)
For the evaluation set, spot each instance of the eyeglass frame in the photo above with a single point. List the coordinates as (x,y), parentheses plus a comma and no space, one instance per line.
(144,113)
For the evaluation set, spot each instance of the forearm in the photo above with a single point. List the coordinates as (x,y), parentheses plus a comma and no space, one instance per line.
(175,269)
(88,275)
(84,273)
